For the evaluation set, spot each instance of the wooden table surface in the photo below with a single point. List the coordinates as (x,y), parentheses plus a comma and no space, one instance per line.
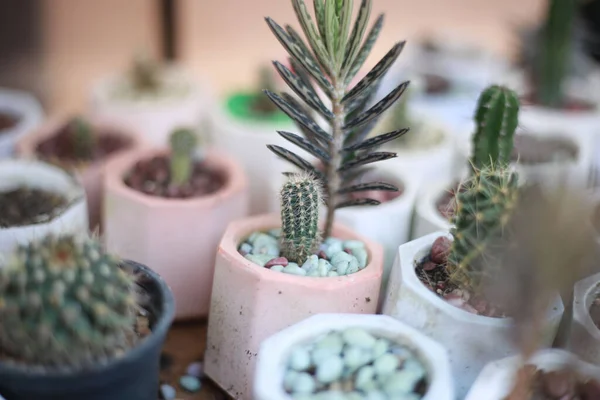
(185,344)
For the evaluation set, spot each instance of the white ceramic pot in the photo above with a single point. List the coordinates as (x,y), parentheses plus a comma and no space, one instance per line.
(34,174)
(155,117)
(29,112)
(427,218)
(467,336)
(496,380)
(584,336)
(275,351)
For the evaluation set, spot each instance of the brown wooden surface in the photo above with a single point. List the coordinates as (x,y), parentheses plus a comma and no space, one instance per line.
(185,344)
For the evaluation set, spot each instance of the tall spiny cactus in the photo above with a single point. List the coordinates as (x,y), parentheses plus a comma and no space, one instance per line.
(300,200)
(261,103)
(64,302)
(82,138)
(145,74)
(496,119)
(483,208)
(335,52)
(555,54)
(183,143)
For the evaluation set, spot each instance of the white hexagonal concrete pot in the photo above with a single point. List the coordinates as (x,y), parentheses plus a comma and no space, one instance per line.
(155,116)
(275,351)
(34,174)
(250,303)
(584,336)
(26,109)
(496,380)
(467,336)
(177,237)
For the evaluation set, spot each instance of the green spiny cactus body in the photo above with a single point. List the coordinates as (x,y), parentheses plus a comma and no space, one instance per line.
(483,208)
(300,200)
(183,143)
(555,52)
(145,75)
(65,303)
(496,119)
(82,138)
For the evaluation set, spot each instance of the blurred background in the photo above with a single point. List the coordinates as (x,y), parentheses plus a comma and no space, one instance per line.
(58,48)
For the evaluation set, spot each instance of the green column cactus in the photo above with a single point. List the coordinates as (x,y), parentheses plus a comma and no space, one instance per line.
(552,64)
(145,74)
(496,119)
(83,138)
(64,302)
(183,143)
(483,208)
(300,198)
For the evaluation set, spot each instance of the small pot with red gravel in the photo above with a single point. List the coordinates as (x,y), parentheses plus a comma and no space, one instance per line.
(169,209)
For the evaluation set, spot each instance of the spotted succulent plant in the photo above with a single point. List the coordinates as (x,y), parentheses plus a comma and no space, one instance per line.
(335,51)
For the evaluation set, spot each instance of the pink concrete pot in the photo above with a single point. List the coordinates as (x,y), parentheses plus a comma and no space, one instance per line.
(91,174)
(250,303)
(177,238)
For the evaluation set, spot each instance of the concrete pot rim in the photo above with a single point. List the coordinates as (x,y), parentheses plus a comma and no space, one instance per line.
(27,109)
(240,229)
(583,292)
(412,252)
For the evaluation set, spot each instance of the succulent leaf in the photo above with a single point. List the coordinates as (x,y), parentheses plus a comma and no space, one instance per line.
(377,140)
(378,108)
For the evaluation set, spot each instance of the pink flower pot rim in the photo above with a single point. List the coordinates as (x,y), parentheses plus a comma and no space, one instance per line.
(27,146)
(235,181)
(240,229)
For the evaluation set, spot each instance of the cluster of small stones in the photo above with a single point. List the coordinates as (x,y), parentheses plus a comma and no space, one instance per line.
(354,365)
(336,257)
(191,382)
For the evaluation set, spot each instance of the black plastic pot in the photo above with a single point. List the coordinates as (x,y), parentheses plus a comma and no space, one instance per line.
(132,377)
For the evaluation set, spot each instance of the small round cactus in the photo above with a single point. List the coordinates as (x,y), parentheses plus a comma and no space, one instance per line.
(183,143)
(65,303)
(483,208)
(83,138)
(301,198)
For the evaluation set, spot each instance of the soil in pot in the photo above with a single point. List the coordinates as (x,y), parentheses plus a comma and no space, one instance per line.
(530,149)
(354,363)
(152,177)
(61,149)
(7,121)
(559,385)
(432,272)
(570,104)
(27,206)
(335,257)
(436,84)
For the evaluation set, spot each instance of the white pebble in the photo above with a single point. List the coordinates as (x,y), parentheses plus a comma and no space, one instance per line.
(381,347)
(333,248)
(294,270)
(277,268)
(376,395)
(359,337)
(386,364)
(311,263)
(361,255)
(304,384)
(401,382)
(354,244)
(332,273)
(324,267)
(300,359)
(341,267)
(365,378)
(353,357)
(330,369)
(289,379)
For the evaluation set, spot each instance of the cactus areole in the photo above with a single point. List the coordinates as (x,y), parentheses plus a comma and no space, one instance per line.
(335,50)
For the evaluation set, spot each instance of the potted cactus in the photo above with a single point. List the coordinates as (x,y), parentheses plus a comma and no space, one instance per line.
(257,289)
(169,209)
(82,146)
(36,199)
(243,126)
(152,98)
(496,119)
(19,113)
(80,323)
(352,356)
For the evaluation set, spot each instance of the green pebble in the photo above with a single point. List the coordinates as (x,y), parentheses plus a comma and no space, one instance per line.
(386,364)
(259,259)
(352,266)
(340,256)
(332,273)
(277,268)
(289,379)
(354,396)
(312,263)
(341,267)
(294,270)
(190,383)
(376,395)
(304,384)
(365,378)
(353,357)
(333,248)
(330,369)
(253,237)
(359,337)
(276,233)
(271,249)
(401,382)
(300,359)
(415,366)
(353,244)
(314,273)
(324,267)
(361,255)
(330,395)
(381,347)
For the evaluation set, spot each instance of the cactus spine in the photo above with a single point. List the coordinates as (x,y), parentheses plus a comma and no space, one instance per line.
(555,52)
(83,138)
(65,303)
(183,142)
(301,198)
(483,208)
(496,119)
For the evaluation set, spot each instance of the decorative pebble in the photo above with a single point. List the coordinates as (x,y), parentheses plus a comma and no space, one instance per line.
(167,392)
(277,268)
(333,248)
(353,364)
(190,383)
(311,263)
(276,233)
(195,369)
(361,256)
(353,244)
(245,248)
(294,269)
(260,259)
(277,261)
